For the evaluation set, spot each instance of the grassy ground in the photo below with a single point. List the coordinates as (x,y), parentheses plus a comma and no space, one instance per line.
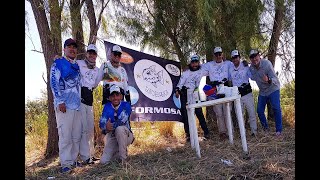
(156,156)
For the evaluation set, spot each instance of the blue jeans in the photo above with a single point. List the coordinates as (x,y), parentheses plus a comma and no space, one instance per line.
(275,104)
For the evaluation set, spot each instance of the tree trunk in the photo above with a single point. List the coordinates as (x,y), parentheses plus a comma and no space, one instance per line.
(277,27)
(273,46)
(51,46)
(92,21)
(77,31)
(177,48)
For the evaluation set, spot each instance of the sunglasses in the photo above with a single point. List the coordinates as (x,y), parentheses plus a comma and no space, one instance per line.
(117,53)
(218,54)
(194,59)
(253,56)
(234,57)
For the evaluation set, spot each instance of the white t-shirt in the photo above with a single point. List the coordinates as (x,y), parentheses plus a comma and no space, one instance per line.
(217,71)
(89,77)
(239,75)
(190,79)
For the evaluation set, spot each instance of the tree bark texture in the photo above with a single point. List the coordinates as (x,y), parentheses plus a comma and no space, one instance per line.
(51,46)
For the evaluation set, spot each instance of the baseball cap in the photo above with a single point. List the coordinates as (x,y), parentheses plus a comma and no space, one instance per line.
(116,48)
(193,58)
(217,49)
(253,53)
(92,47)
(114,88)
(70,41)
(235,53)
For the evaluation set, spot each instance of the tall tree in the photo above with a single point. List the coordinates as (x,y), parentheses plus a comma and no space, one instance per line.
(282,21)
(169,26)
(50,37)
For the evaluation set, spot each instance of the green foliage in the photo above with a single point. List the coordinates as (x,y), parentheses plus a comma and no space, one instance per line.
(36,127)
(97,109)
(287,101)
(287,94)
(177,28)
(35,110)
(169,26)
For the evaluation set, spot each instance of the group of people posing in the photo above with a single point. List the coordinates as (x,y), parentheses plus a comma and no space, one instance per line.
(73,81)
(236,72)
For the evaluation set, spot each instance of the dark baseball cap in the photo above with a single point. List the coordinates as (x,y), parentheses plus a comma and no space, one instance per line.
(70,41)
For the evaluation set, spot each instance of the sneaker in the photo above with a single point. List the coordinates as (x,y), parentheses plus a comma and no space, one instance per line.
(77,164)
(254,134)
(95,159)
(278,134)
(65,170)
(88,161)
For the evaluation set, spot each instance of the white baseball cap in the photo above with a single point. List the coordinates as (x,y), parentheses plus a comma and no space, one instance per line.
(253,53)
(217,49)
(114,88)
(116,48)
(92,47)
(235,53)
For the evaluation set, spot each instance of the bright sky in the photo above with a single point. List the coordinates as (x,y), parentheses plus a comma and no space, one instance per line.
(34,61)
(35,65)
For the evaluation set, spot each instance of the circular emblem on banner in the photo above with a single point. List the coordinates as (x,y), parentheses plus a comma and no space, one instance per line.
(153,80)
(173,69)
(134,95)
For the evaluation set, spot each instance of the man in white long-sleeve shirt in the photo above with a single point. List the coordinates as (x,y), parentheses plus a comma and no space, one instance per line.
(65,85)
(218,72)
(239,75)
(89,81)
(190,79)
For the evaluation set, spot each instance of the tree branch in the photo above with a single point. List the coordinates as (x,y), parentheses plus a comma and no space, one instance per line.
(44,78)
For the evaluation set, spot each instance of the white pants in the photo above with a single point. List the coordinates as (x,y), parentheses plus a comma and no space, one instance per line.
(221,120)
(247,102)
(69,131)
(87,133)
(116,145)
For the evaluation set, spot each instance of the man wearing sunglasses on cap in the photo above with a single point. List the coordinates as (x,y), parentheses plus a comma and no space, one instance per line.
(111,72)
(218,72)
(239,75)
(269,89)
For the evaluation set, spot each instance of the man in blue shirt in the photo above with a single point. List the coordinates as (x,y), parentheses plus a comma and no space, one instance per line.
(114,122)
(65,86)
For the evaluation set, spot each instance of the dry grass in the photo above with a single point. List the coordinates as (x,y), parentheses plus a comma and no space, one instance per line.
(155,156)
